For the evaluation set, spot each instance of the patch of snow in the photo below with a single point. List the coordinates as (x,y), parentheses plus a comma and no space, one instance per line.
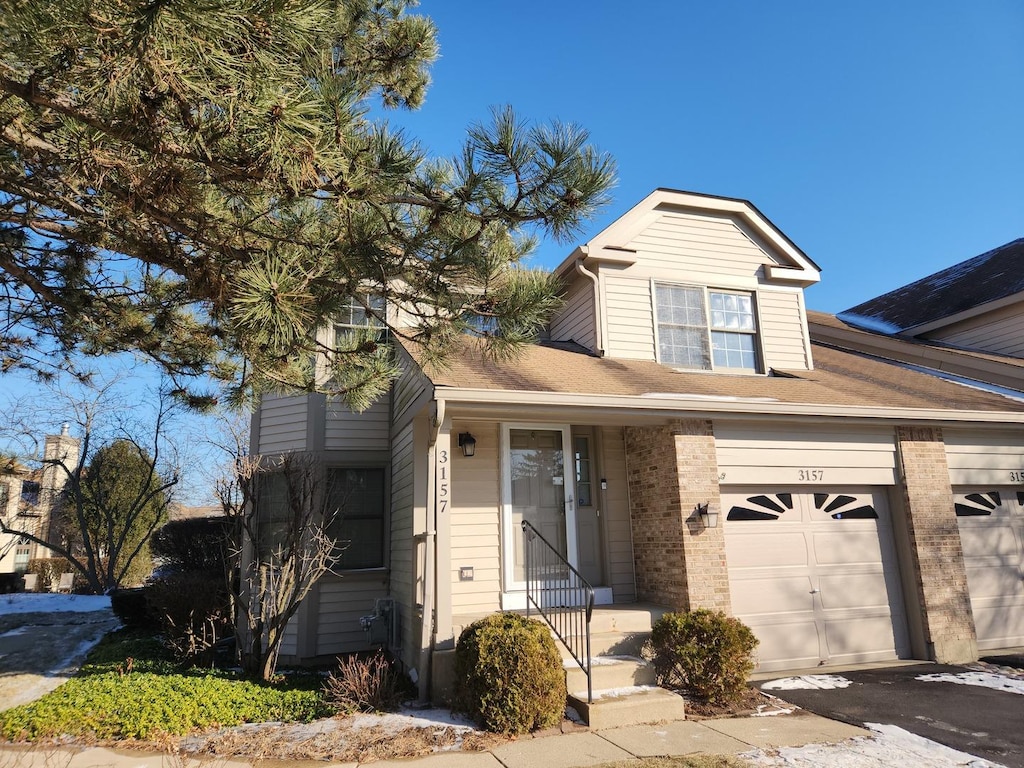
(614,693)
(16,631)
(42,602)
(866,323)
(889,745)
(1012,394)
(982,679)
(410,718)
(807,683)
(763,711)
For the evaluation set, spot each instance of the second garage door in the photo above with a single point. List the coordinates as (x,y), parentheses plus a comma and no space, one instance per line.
(814,575)
(991,526)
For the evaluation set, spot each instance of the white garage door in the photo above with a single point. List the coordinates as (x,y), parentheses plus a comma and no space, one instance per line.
(814,575)
(992,535)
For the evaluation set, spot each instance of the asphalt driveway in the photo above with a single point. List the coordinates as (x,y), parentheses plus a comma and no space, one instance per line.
(981,721)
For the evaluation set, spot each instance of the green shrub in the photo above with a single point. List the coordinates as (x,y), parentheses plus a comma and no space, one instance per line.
(131,606)
(509,675)
(128,689)
(704,652)
(193,611)
(366,684)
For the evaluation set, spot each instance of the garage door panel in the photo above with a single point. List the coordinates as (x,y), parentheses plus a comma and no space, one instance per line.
(785,642)
(1001,625)
(847,547)
(787,595)
(861,638)
(995,581)
(987,540)
(746,547)
(859,591)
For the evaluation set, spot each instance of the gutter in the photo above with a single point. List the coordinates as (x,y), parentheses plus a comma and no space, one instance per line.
(667,405)
(430,555)
(598,318)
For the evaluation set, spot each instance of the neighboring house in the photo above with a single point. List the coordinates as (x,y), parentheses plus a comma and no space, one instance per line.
(975,305)
(27,500)
(679,376)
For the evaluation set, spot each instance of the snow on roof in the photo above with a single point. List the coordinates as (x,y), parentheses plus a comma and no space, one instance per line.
(994,275)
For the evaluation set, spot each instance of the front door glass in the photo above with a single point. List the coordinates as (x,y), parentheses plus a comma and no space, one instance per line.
(538,489)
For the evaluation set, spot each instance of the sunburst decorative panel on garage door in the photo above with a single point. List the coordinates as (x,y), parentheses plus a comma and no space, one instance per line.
(814,574)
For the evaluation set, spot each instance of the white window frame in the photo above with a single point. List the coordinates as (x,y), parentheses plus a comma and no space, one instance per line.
(706,292)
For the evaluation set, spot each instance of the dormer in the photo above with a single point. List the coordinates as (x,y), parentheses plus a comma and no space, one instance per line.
(693,281)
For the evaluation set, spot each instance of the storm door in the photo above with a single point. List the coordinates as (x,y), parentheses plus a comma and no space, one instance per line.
(536,489)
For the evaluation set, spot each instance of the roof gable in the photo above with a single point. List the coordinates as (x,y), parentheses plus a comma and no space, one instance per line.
(954,293)
(731,223)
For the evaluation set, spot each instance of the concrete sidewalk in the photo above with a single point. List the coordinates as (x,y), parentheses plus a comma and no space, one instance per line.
(723,736)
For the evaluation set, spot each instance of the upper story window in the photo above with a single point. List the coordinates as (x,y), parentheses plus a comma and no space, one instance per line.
(706,329)
(30,492)
(363,311)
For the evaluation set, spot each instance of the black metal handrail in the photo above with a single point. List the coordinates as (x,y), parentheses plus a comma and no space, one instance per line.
(562,596)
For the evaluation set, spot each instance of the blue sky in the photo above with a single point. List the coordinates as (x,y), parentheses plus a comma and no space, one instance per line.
(885,138)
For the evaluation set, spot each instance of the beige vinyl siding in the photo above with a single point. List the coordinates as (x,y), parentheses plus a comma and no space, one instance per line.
(475,532)
(290,642)
(366,431)
(576,320)
(406,390)
(342,600)
(698,248)
(616,511)
(782,330)
(985,458)
(630,316)
(1000,331)
(283,423)
(402,544)
(754,454)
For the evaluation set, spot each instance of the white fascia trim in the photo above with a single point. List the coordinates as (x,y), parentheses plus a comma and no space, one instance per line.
(667,405)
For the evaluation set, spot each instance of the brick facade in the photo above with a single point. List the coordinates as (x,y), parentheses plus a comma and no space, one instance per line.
(671,469)
(938,560)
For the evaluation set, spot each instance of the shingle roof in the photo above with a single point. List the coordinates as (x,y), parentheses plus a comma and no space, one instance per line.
(991,276)
(840,378)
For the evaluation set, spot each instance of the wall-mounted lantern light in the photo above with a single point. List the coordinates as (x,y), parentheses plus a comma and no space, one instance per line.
(708,515)
(467,443)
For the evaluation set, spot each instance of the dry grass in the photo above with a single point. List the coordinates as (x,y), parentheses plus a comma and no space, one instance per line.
(360,745)
(686,761)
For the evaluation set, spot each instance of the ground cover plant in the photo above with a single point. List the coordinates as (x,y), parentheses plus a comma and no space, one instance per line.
(130,688)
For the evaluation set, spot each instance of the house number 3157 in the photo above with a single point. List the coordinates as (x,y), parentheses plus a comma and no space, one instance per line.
(442,481)
(811,475)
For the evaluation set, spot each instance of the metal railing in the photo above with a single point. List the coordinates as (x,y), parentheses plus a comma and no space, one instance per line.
(562,596)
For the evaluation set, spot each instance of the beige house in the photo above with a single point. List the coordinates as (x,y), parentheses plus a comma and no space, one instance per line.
(27,499)
(680,378)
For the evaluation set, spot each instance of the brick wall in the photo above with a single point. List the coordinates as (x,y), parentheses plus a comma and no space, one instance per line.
(938,560)
(671,469)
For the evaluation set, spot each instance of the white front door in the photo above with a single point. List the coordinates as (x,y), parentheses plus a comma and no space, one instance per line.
(536,489)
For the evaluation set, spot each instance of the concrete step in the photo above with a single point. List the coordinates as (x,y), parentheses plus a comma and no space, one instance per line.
(625,618)
(628,706)
(610,644)
(610,672)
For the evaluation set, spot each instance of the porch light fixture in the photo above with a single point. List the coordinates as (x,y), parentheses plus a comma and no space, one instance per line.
(708,515)
(467,443)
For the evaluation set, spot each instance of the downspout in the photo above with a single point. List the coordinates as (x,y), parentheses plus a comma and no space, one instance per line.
(598,320)
(430,557)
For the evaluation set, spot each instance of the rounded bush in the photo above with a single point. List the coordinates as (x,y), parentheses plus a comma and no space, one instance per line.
(509,675)
(707,653)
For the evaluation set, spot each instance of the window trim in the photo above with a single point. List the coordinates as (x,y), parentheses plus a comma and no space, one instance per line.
(759,369)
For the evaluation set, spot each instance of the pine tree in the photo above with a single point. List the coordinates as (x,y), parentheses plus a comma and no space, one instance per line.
(211,182)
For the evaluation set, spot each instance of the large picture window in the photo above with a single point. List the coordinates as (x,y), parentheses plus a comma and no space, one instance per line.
(706,329)
(356,502)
